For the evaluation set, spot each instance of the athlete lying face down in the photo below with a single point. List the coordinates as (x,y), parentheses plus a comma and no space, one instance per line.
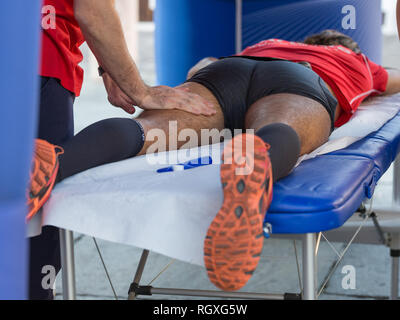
(291,94)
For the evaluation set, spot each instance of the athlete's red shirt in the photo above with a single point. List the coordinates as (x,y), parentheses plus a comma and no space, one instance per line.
(60,47)
(352,77)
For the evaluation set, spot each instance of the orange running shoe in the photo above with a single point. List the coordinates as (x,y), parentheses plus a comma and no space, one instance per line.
(43,175)
(234,241)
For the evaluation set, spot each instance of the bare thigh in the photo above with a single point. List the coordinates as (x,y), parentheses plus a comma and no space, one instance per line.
(176,123)
(306,116)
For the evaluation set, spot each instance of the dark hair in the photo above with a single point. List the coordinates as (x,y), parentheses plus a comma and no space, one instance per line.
(333,38)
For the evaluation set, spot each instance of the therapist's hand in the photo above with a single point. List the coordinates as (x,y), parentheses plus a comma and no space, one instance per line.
(166,98)
(116,96)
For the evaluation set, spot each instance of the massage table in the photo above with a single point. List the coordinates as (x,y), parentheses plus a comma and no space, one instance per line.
(130,202)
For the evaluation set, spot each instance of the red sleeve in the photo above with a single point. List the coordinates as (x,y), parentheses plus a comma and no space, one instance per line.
(380,76)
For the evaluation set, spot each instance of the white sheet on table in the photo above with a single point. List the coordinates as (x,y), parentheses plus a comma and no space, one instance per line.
(128,202)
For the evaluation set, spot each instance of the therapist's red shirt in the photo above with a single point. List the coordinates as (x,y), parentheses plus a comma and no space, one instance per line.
(60,47)
(352,77)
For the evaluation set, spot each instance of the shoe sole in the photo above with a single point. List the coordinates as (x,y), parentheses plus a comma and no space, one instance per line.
(40,201)
(234,241)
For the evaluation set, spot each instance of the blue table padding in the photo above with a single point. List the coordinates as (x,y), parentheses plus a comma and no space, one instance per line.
(322,193)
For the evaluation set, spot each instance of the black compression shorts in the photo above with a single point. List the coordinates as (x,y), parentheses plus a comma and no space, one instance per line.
(238,82)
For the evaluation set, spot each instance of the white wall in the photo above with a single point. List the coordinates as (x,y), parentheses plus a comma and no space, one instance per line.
(389,8)
(129,14)
(152,4)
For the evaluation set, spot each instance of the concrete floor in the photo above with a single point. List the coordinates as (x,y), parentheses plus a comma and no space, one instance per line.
(277,271)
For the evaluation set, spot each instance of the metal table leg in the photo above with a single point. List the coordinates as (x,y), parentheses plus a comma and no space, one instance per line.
(395,256)
(239,24)
(395,243)
(394,292)
(309,276)
(67,264)
(138,274)
(396,181)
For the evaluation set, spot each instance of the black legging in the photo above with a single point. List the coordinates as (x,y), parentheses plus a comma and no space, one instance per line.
(284,148)
(103,142)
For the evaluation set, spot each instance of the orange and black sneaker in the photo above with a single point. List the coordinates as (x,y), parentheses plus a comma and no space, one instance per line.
(43,175)
(234,241)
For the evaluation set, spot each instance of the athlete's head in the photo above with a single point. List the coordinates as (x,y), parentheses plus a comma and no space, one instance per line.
(333,38)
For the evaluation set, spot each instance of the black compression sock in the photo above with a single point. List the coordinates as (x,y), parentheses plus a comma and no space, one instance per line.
(285,147)
(103,142)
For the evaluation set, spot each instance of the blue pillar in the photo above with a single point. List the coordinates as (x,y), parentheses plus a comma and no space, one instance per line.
(19,57)
(189,30)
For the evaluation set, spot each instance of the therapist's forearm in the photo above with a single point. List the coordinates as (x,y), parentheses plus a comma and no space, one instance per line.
(103,32)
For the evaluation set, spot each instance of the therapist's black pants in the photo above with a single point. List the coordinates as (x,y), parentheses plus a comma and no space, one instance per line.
(56,125)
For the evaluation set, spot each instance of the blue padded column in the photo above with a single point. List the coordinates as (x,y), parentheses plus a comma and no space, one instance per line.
(19,33)
(294,20)
(189,30)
